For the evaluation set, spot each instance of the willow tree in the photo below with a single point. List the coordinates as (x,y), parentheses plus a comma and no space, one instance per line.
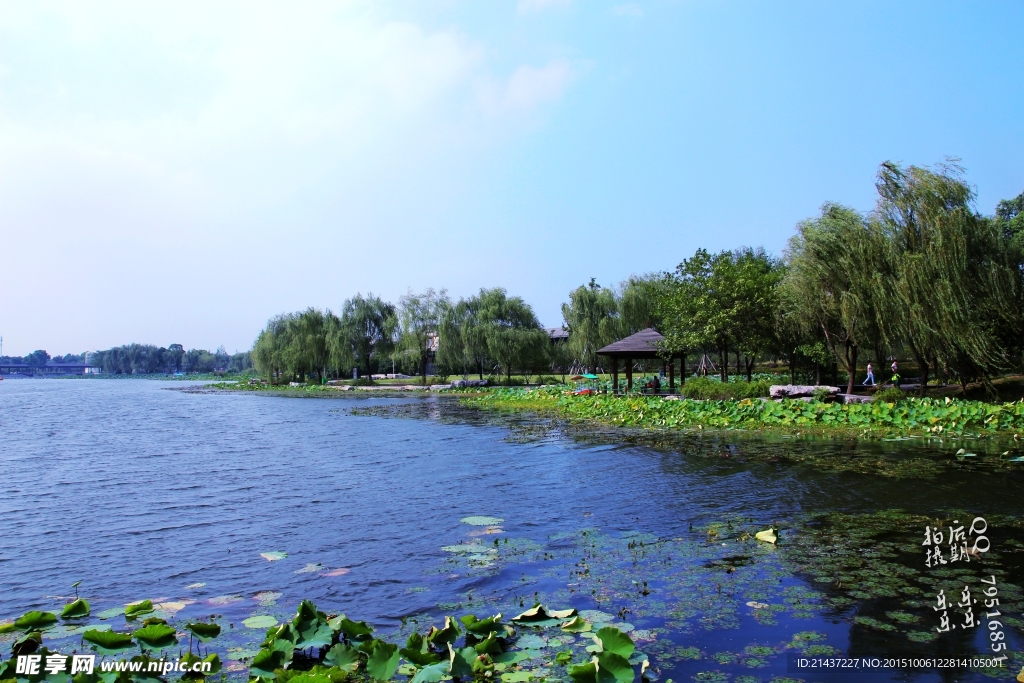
(592,320)
(364,334)
(268,350)
(829,282)
(419,318)
(949,274)
(639,302)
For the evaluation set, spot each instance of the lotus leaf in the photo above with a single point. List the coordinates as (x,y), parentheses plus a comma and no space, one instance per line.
(259,621)
(273,556)
(417,651)
(511,657)
(193,586)
(516,676)
(480,626)
(110,613)
(267,661)
(342,656)
(207,632)
(614,640)
(576,625)
(584,673)
(7,627)
(221,600)
(596,616)
(531,642)
(768,535)
(108,642)
(432,673)
(311,626)
(75,610)
(156,636)
(613,668)
(383,661)
(354,630)
(461,661)
(309,569)
(489,645)
(137,609)
(35,621)
(480,520)
(443,636)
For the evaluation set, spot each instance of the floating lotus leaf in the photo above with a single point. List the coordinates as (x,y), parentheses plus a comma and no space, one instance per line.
(383,661)
(517,676)
(35,621)
(768,535)
(417,650)
(614,640)
(110,613)
(108,642)
(613,668)
(260,621)
(156,636)
(207,632)
(432,673)
(511,657)
(576,625)
(309,569)
(7,627)
(136,609)
(531,642)
(274,556)
(75,610)
(221,600)
(595,616)
(480,520)
(340,571)
(561,613)
(343,656)
(193,586)
(469,548)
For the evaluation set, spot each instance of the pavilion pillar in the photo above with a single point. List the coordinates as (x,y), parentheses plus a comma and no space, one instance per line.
(615,375)
(629,374)
(671,374)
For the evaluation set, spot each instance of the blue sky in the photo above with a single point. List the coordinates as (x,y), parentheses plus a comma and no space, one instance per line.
(181,174)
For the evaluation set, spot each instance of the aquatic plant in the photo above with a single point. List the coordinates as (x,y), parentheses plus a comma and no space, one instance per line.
(918,416)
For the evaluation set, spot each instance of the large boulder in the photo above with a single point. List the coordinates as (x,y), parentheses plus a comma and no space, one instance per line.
(798,390)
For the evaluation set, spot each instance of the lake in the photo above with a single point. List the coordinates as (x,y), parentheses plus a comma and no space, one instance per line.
(214,503)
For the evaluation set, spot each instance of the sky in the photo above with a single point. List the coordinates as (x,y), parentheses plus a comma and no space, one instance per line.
(182,172)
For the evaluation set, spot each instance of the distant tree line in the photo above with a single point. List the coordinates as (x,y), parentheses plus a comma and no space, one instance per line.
(148,359)
(922,276)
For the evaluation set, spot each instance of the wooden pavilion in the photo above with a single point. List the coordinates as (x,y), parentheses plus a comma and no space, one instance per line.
(642,345)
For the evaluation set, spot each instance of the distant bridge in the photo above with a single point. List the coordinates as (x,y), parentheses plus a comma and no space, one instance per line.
(49,369)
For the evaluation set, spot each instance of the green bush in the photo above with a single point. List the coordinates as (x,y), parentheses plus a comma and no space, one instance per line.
(706,388)
(821,394)
(890,395)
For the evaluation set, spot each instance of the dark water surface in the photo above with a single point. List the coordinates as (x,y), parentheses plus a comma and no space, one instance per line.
(141,490)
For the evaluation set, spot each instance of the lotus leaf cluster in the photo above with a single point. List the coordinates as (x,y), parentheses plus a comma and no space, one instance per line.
(913,416)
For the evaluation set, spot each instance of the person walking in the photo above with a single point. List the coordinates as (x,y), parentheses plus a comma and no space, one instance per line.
(871,375)
(896,374)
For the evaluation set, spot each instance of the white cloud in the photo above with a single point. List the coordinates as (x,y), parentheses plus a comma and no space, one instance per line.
(527,87)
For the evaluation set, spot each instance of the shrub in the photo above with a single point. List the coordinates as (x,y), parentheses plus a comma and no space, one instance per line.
(821,394)
(707,388)
(890,395)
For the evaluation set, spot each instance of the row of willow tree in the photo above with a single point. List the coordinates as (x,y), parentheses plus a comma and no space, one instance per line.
(923,276)
(138,359)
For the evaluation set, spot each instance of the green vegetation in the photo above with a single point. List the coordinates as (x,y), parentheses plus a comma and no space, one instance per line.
(322,648)
(913,416)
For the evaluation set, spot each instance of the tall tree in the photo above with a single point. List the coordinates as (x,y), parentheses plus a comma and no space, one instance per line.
(365,332)
(592,320)
(419,317)
(950,279)
(828,284)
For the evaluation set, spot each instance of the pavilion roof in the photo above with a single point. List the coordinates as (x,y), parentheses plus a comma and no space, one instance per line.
(643,344)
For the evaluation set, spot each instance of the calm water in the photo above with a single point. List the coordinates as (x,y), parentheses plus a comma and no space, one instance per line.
(139,489)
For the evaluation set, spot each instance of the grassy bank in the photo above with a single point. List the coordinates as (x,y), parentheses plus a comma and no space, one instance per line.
(908,417)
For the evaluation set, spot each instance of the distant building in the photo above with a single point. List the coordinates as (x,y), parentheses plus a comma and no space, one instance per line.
(50,369)
(557,335)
